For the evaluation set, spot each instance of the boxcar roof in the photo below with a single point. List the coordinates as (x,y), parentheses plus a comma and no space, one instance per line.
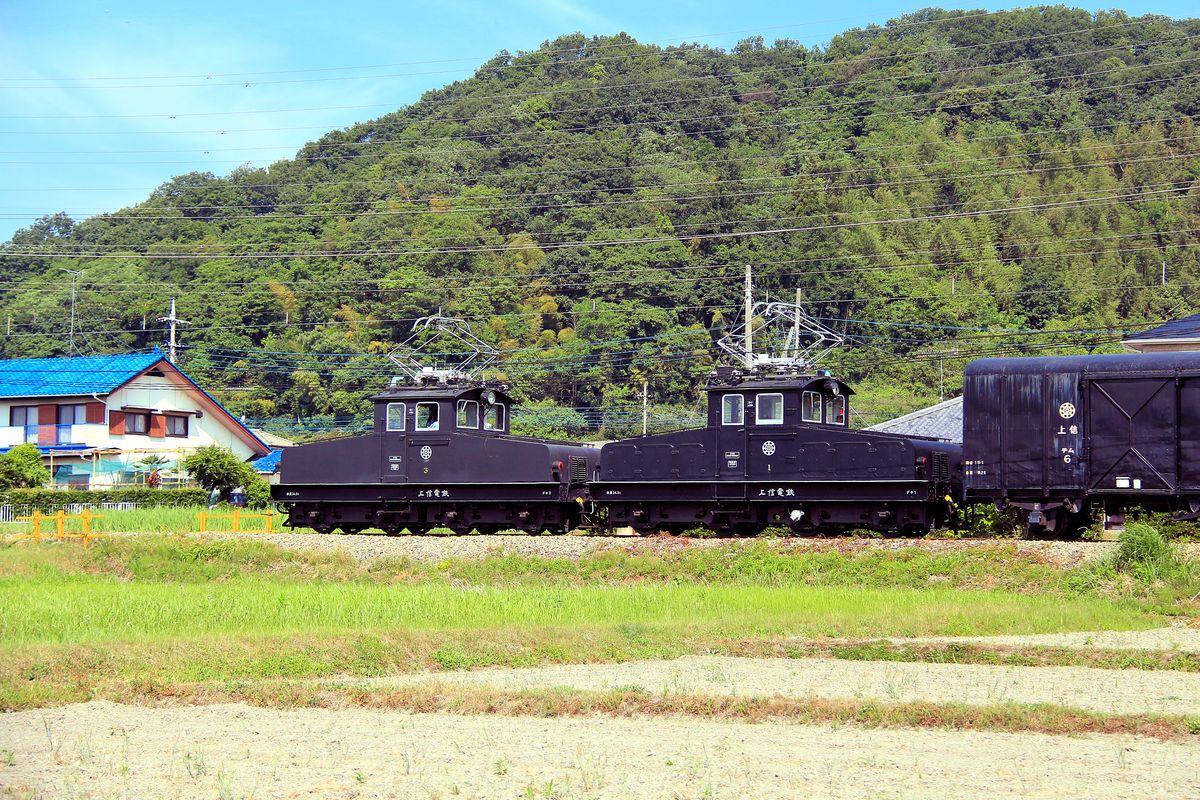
(1117,362)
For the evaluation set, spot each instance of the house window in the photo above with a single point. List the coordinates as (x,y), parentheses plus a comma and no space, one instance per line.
(395,416)
(769,409)
(810,407)
(835,409)
(137,422)
(427,416)
(25,417)
(468,414)
(733,410)
(177,425)
(75,414)
(493,418)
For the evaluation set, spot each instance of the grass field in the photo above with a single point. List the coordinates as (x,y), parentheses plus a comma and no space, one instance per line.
(143,617)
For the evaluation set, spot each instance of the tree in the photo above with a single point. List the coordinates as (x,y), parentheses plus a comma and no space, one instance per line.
(22,468)
(216,467)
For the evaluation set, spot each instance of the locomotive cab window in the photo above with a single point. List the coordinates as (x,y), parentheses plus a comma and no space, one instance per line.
(468,414)
(427,417)
(835,409)
(733,410)
(493,418)
(810,407)
(769,409)
(395,416)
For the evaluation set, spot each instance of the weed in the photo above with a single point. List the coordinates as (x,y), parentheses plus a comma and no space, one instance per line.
(501,767)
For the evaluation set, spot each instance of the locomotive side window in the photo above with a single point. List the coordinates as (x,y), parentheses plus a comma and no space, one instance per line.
(769,409)
(427,416)
(733,410)
(810,407)
(835,409)
(468,414)
(395,416)
(493,418)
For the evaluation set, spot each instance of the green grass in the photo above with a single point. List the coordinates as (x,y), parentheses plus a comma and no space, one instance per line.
(141,617)
(90,609)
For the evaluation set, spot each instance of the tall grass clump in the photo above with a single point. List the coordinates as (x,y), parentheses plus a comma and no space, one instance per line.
(1146,555)
(1145,564)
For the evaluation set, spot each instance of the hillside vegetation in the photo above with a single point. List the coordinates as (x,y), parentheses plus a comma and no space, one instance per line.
(951,181)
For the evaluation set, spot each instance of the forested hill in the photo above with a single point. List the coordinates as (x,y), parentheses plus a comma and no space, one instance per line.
(951,182)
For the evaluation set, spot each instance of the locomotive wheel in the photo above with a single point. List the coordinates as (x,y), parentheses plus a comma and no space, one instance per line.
(352,529)
(392,530)
(323,528)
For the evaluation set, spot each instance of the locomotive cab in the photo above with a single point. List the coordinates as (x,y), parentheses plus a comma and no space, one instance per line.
(754,418)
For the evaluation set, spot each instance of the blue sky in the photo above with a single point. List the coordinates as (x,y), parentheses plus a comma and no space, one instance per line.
(89,123)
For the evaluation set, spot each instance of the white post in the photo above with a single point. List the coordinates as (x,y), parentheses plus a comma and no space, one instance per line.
(171,349)
(645,407)
(749,301)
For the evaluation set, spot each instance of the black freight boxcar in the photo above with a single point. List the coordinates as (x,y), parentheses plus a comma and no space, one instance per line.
(778,450)
(440,455)
(1064,440)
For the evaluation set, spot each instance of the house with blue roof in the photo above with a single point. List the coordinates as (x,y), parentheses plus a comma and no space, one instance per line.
(104,420)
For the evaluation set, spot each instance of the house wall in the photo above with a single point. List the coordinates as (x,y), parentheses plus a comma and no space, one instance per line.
(118,448)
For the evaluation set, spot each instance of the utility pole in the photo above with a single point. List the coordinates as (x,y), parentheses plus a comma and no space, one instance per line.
(749,313)
(645,407)
(71,333)
(173,321)
(941,356)
(1164,278)
(795,343)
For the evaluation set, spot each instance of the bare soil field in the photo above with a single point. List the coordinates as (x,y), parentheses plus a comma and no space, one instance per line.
(1108,691)
(101,750)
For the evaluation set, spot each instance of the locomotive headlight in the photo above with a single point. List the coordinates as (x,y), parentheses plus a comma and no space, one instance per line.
(488,396)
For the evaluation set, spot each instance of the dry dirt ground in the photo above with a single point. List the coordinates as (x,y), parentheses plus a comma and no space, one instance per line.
(103,750)
(100,750)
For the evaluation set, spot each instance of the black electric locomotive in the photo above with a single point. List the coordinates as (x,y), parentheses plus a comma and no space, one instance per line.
(1068,440)
(440,456)
(778,451)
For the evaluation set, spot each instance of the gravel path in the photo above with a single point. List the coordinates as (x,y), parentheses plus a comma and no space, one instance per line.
(1185,640)
(366,548)
(102,750)
(1109,691)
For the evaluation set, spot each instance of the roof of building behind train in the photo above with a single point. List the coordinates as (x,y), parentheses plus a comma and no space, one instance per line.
(1179,330)
(1115,362)
(940,421)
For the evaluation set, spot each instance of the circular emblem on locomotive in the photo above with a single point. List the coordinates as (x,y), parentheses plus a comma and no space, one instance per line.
(1066,410)
(768,448)
(426,452)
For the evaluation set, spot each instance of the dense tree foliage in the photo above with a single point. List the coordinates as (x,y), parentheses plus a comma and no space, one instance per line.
(948,185)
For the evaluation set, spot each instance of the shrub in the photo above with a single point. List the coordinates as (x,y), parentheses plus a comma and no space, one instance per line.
(22,467)
(44,499)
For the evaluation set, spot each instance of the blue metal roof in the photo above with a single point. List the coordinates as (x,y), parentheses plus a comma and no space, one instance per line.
(81,375)
(268,464)
(1186,328)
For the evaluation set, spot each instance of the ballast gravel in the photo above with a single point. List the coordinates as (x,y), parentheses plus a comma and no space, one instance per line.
(367,547)
(102,750)
(1108,691)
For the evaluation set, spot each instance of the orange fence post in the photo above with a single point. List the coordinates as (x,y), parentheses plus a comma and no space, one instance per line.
(236,519)
(203,521)
(60,525)
(37,527)
(270,518)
